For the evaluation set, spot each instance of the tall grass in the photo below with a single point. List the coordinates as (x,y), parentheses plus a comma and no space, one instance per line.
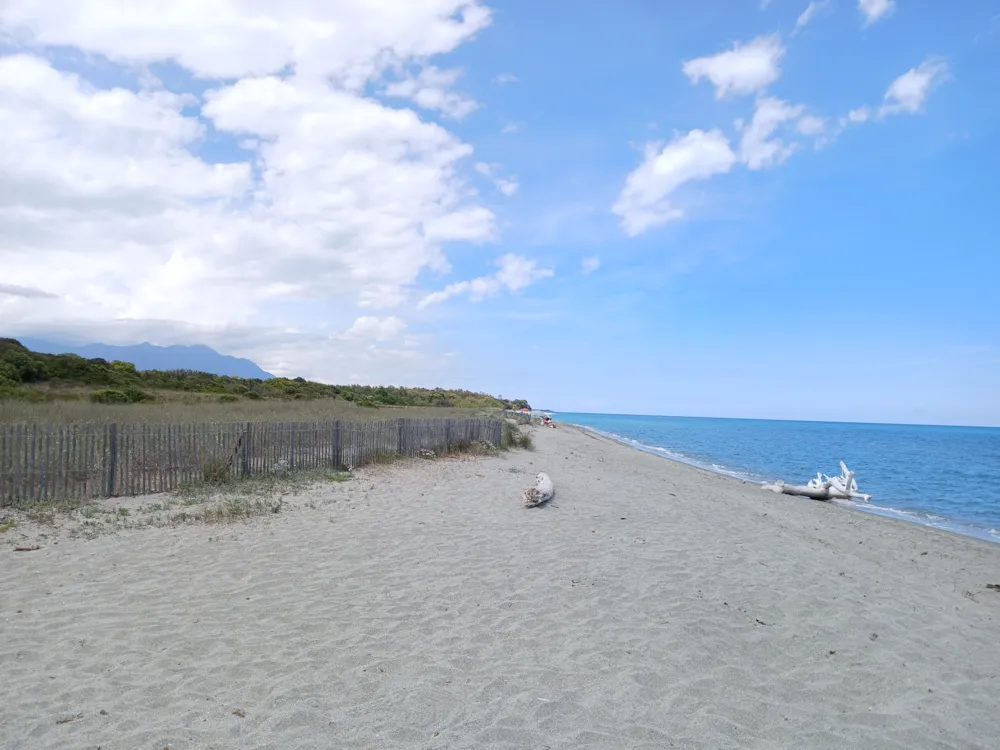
(514,437)
(175,408)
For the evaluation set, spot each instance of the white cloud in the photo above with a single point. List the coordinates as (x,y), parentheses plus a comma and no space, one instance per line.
(510,127)
(516,273)
(806,17)
(907,93)
(810,125)
(113,199)
(350,40)
(430,89)
(589,265)
(875,10)
(743,69)
(644,201)
(757,148)
(506,185)
(370,327)
(504,78)
(856,116)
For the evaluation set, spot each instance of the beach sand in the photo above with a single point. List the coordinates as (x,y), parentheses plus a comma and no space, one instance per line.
(650,605)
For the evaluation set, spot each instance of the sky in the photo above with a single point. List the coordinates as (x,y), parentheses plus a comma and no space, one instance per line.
(742,208)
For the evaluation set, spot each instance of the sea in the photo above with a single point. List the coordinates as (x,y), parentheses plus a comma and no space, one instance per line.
(945,477)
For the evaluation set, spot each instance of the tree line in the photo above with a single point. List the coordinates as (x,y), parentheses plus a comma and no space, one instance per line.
(22,371)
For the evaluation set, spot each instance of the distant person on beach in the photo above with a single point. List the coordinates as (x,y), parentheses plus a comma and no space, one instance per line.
(547,421)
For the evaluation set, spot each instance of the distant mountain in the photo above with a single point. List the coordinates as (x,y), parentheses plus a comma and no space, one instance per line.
(146,356)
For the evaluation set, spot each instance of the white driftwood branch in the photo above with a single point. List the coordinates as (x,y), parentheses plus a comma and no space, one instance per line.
(822,487)
(540,493)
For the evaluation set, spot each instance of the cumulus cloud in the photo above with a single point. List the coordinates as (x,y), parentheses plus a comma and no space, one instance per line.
(516,273)
(589,265)
(119,200)
(506,185)
(875,10)
(757,148)
(374,328)
(906,95)
(431,89)
(810,125)
(645,200)
(743,69)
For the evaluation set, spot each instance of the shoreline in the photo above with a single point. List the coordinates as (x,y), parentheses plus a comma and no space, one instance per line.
(939,523)
(420,605)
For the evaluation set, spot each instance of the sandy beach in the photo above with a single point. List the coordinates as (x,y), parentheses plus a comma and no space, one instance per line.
(649,605)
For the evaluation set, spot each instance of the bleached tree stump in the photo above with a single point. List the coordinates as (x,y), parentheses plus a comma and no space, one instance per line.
(542,491)
(823,487)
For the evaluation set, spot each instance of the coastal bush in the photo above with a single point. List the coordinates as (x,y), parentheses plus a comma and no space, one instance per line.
(513,437)
(9,374)
(109,396)
(137,395)
(228,398)
(215,470)
(129,395)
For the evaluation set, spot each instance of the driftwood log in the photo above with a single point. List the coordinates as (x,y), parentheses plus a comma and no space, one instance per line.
(542,491)
(823,487)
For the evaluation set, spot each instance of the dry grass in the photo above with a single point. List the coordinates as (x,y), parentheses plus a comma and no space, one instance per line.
(191,408)
(224,503)
(514,437)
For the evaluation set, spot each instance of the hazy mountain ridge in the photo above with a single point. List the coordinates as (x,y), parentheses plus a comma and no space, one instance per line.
(146,356)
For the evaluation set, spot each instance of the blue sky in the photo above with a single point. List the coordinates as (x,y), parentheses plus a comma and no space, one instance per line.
(781,219)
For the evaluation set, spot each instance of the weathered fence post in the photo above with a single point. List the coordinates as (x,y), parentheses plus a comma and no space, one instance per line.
(291,446)
(112,458)
(248,435)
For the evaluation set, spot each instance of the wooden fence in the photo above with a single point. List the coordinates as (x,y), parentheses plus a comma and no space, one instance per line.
(47,462)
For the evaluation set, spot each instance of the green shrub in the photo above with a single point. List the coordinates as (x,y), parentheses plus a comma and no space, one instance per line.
(9,374)
(109,396)
(512,437)
(129,395)
(215,470)
(29,369)
(228,398)
(137,395)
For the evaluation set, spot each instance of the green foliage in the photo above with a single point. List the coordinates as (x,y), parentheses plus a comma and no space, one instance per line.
(129,395)
(215,470)
(512,437)
(9,375)
(120,383)
(137,395)
(109,396)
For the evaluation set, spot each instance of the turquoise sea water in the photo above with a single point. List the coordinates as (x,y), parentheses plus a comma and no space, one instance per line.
(947,477)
